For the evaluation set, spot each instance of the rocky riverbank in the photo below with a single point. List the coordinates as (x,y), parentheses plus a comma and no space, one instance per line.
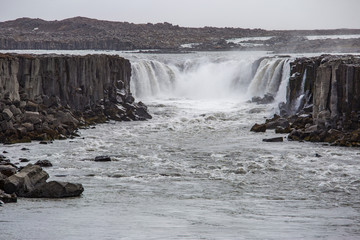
(323,102)
(47,97)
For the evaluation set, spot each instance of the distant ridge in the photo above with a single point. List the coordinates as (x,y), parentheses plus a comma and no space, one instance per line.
(86,33)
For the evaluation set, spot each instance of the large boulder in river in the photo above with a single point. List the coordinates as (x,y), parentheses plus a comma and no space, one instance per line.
(7,198)
(31,182)
(258,128)
(55,189)
(25,181)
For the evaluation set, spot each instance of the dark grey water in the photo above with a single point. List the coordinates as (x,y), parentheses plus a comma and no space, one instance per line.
(193,172)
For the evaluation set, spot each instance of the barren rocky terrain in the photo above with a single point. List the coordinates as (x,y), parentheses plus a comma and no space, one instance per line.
(84,33)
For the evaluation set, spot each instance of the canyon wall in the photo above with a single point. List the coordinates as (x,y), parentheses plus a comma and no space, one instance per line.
(55,94)
(326,91)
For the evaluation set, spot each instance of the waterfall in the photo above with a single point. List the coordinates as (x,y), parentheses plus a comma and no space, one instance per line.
(152,78)
(282,92)
(267,78)
(299,99)
(210,77)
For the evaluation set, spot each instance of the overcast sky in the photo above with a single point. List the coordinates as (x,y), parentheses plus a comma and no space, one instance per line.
(267,14)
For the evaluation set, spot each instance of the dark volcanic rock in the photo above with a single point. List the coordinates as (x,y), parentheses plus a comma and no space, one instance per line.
(276,139)
(102,159)
(63,94)
(258,128)
(25,181)
(7,198)
(44,163)
(267,98)
(277,122)
(55,189)
(31,182)
(324,94)
(7,170)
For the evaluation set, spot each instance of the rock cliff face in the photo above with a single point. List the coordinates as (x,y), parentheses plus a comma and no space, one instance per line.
(79,81)
(327,89)
(55,94)
(330,85)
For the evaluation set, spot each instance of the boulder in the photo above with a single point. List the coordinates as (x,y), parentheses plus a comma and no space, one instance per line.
(28,126)
(280,122)
(7,170)
(332,135)
(142,113)
(67,118)
(7,114)
(7,198)
(31,106)
(102,159)
(44,163)
(282,130)
(32,117)
(55,189)
(25,181)
(16,111)
(311,128)
(2,180)
(258,128)
(276,139)
(268,98)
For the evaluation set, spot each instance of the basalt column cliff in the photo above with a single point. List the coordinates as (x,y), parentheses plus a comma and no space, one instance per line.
(45,97)
(323,101)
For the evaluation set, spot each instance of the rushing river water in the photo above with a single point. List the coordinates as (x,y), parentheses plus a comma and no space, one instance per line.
(194,171)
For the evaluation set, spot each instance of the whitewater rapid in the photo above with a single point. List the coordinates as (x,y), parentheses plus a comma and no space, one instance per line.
(194,171)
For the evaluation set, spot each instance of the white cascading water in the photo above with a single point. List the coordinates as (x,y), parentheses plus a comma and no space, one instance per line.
(210,78)
(301,93)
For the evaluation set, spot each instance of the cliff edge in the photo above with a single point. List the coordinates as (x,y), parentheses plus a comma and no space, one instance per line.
(323,101)
(46,97)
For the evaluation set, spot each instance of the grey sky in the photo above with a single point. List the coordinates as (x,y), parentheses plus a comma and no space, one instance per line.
(267,14)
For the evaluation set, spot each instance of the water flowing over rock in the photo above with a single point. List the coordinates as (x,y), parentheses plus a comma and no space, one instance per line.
(45,97)
(328,88)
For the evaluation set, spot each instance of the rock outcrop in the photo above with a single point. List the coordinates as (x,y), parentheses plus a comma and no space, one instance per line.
(45,97)
(31,182)
(323,100)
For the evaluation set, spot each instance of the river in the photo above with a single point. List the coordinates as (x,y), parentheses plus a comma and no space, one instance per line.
(195,171)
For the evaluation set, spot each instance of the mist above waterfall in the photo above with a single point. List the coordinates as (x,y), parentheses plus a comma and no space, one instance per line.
(210,76)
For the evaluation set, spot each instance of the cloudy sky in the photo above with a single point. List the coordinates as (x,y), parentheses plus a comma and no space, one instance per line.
(267,14)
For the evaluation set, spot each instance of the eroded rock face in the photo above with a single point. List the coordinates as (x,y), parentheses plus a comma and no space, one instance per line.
(46,97)
(323,100)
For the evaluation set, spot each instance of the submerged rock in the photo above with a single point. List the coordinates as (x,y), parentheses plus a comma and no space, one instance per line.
(102,159)
(275,139)
(258,128)
(267,98)
(44,163)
